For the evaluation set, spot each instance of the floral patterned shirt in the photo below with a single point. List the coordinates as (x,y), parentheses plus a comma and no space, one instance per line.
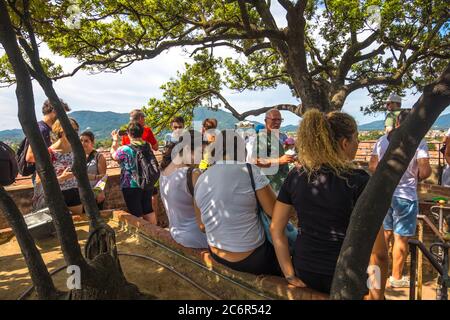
(62,161)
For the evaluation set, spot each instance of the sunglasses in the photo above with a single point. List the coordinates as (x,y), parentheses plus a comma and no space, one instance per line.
(276,119)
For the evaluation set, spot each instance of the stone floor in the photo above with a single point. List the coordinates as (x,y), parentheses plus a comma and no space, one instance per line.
(152,278)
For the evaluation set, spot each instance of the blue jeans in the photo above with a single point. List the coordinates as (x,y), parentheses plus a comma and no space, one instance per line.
(402,217)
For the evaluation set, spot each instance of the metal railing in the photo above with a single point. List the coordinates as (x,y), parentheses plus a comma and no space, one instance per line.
(438,260)
(439,263)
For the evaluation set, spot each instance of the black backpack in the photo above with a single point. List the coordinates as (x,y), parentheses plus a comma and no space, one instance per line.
(8,165)
(146,165)
(25,168)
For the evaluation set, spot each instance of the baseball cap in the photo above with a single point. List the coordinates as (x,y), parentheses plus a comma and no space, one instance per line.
(393,97)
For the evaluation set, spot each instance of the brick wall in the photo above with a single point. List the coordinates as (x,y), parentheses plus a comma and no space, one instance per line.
(23,195)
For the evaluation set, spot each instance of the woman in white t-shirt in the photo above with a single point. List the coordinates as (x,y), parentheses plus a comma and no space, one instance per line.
(228,209)
(176,194)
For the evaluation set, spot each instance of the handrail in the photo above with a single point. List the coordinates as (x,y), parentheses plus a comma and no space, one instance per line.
(440,267)
(431,225)
(434,262)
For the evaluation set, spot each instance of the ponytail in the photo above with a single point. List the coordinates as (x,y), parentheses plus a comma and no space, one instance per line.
(318,140)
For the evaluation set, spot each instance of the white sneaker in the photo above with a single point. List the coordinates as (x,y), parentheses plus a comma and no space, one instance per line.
(401,283)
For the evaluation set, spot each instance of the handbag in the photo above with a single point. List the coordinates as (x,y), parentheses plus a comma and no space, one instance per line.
(290,231)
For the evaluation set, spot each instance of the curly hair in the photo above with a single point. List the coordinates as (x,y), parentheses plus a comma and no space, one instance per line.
(48,108)
(318,139)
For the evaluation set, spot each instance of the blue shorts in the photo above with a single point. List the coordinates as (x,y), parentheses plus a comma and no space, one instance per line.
(402,217)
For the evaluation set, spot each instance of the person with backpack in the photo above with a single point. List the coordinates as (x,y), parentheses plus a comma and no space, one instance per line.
(95,162)
(176,183)
(139,171)
(8,165)
(137,115)
(24,153)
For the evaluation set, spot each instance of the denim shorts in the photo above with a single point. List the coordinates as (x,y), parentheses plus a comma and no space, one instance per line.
(402,217)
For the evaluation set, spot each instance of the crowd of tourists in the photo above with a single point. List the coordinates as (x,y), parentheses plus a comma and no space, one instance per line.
(259,201)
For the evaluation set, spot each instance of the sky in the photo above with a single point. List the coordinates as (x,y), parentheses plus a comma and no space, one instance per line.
(132,88)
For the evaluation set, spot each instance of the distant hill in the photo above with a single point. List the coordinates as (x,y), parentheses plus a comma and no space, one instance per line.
(372,126)
(289,128)
(102,123)
(226,120)
(13,136)
(442,123)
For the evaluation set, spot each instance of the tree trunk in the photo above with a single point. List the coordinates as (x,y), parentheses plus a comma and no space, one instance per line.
(102,277)
(103,233)
(36,266)
(350,276)
(53,196)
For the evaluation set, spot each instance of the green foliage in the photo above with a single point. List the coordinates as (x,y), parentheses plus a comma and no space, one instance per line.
(432,147)
(104,143)
(192,89)
(339,51)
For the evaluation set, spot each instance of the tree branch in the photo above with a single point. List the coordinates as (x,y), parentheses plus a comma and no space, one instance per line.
(255,112)
(349,57)
(350,277)
(286,4)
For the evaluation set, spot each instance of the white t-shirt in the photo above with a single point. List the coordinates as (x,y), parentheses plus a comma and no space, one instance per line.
(180,210)
(407,187)
(251,150)
(228,206)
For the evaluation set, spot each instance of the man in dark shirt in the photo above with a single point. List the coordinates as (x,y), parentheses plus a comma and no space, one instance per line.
(45,127)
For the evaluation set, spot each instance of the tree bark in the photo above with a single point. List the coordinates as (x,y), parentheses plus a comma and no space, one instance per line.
(370,210)
(24,91)
(104,237)
(38,271)
(102,277)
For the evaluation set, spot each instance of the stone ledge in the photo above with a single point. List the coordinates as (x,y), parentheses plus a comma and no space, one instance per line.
(272,286)
(6,234)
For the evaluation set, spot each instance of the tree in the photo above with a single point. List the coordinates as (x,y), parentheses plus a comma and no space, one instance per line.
(101,275)
(327,50)
(111,35)
(371,207)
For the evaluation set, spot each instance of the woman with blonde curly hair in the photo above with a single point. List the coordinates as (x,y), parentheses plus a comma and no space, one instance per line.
(323,190)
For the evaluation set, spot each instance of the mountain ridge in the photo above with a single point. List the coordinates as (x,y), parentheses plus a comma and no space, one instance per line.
(101,123)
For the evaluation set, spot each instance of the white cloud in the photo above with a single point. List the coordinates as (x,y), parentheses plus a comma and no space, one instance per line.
(120,92)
